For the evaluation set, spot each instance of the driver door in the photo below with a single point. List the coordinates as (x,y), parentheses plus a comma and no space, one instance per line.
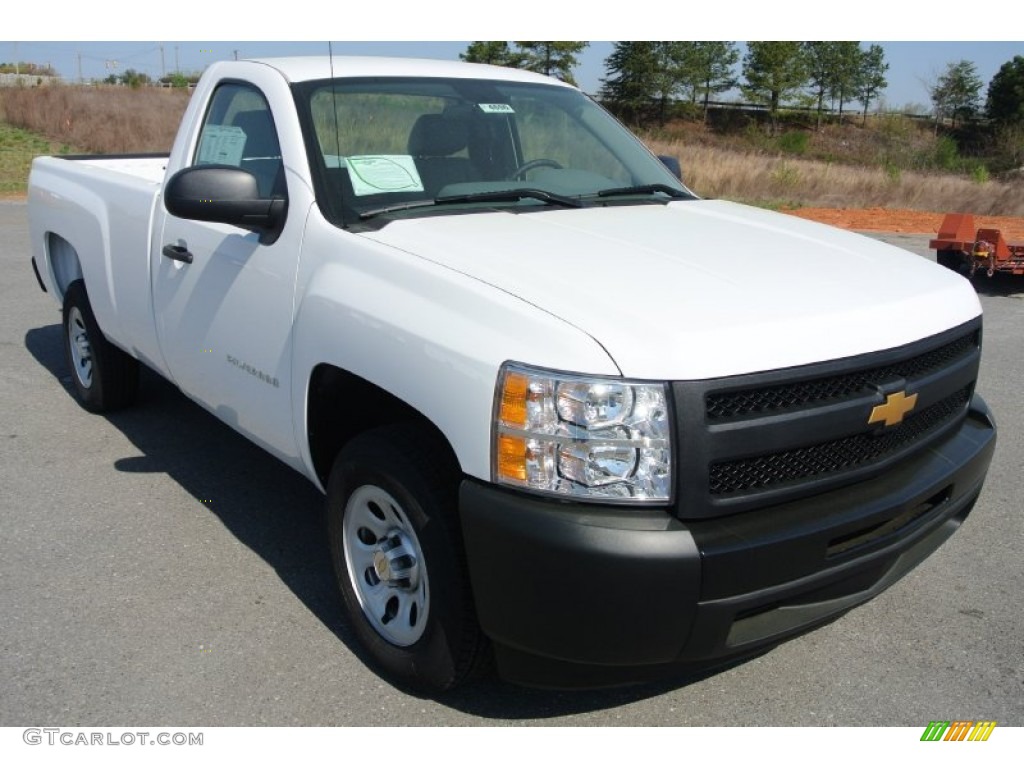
(223,300)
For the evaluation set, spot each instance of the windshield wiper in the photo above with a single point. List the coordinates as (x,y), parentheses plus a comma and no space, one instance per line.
(494,196)
(511,195)
(645,189)
(397,207)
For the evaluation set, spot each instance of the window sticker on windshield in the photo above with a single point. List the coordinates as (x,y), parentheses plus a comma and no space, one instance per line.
(222,144)
(497,109)
(378,174)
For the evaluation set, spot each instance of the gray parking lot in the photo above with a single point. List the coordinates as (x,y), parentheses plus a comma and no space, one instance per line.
(156,568)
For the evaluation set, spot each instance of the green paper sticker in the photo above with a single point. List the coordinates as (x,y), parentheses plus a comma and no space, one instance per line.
(379,174)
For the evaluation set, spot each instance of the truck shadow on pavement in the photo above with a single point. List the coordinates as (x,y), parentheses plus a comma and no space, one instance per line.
(1000,284)
(278,515)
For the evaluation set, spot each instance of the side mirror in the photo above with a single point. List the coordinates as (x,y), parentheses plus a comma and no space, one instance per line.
(226,195)
(672,163)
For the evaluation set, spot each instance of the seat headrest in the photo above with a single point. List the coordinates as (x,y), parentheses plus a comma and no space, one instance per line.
(438,136)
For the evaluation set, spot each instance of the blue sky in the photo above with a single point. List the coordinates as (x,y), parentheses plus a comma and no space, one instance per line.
(910,63)
(120,31)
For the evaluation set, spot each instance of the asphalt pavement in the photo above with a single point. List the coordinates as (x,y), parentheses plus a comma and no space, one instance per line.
(155,567)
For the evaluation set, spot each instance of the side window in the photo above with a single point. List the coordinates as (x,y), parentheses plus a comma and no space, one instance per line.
(238,130)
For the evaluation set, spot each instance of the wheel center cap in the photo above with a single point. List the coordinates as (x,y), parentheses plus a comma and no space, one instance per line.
(382,566)
(396,561)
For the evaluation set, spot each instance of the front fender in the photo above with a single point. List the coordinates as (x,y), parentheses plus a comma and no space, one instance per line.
(431,336)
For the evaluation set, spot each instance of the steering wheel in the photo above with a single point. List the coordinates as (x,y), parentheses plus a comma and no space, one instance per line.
(540,162)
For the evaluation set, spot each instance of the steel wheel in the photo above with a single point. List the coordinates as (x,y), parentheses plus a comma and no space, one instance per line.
(396,546)
(385,566)
(81,349)
(103,376)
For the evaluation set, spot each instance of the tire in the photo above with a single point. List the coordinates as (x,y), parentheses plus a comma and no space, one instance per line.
(399,561)
(104,377)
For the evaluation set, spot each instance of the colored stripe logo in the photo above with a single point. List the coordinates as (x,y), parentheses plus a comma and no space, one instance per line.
(958,730)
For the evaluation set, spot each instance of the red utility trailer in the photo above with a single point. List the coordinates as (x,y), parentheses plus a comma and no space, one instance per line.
(963,248)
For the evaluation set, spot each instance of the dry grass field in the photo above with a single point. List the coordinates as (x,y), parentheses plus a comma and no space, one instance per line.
(788,182)
(98,119)
(111,119)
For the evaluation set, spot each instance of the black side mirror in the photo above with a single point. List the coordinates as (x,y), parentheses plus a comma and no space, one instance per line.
(227,195)
(672,163)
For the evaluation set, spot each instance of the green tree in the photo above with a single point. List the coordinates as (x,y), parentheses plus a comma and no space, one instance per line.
(628,89)
(822,58)
(135,79)
(871,79)
(492,52)
(551,57)
(956,92)
(27,68)
(708,68)
(644,77)
(847,72)
(773,71)
(181,79)
(130,77)
(1005,103)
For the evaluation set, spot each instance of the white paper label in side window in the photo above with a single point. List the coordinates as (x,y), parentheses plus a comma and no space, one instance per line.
(379,174)
(222,144)
(497,109)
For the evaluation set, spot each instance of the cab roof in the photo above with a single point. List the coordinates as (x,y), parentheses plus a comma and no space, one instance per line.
(296,69)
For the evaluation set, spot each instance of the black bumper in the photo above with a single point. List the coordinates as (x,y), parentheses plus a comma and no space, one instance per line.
(579,595)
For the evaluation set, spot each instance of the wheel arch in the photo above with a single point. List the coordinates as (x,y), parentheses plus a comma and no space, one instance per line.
(65,265)
(341,405)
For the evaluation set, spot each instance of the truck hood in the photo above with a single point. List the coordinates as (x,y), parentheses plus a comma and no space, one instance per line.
(699,289)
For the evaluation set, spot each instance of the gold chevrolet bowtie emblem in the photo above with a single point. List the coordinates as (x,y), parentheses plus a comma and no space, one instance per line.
(896,406)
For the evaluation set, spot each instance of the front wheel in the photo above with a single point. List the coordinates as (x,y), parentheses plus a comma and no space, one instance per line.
(104,377)
(397,552)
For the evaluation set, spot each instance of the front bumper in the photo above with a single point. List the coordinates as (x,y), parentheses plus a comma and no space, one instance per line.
(577,595)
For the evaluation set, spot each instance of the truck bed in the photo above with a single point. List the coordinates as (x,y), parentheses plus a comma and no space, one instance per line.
(103,205)
(147,167)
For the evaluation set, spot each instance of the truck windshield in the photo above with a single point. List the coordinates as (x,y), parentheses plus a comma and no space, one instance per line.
(402,147)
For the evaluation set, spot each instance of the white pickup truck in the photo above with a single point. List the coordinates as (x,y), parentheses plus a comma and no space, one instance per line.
(567,415)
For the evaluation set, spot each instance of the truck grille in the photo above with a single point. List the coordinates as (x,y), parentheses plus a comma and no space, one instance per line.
(754,440)
(832,455)
(727,405)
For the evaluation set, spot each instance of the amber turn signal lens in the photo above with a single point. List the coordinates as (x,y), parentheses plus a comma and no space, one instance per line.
(512,458)
(513,399)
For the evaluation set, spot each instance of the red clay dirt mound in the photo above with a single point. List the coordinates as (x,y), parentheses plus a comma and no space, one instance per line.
(905,221)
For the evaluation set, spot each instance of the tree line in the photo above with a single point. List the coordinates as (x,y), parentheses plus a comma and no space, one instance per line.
(548,57)
(27,68)
(773,74)
(135,79)
(645,79)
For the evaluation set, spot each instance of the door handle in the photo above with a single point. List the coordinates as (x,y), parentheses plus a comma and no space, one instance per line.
(178,253)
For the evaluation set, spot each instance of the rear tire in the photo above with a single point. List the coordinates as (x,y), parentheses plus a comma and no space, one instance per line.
(398,557)
(104,377)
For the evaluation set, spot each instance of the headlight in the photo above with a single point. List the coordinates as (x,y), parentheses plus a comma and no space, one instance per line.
(585,437)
